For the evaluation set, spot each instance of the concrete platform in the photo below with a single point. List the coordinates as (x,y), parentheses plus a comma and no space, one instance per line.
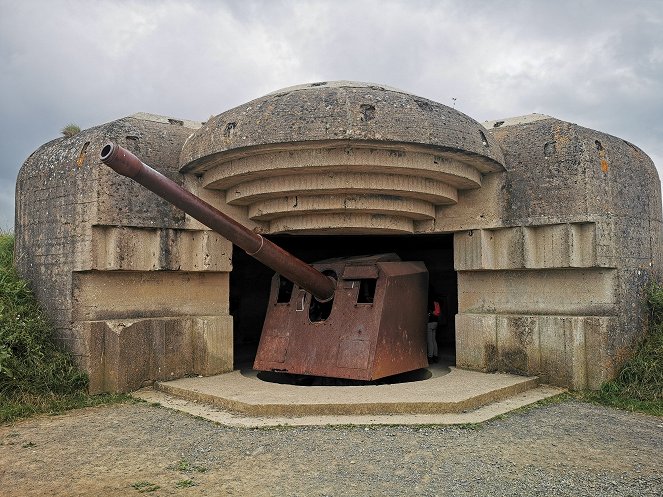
(448,396)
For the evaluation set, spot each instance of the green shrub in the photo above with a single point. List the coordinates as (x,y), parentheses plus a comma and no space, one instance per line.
(639,385)
(642,376)
(30,363)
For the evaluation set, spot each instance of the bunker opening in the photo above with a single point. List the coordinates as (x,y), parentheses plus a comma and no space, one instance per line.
(250,284)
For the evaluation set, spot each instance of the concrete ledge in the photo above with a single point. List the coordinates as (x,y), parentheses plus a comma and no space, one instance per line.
(455,392)
(217,415)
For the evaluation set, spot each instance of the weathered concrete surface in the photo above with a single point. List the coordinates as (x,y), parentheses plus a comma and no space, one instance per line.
(580,211)
(334,163)
(444,392)
(124,355)
(347,113)
(96,248)
(214,413)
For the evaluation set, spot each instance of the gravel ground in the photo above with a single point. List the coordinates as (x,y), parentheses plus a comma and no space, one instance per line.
(562,449)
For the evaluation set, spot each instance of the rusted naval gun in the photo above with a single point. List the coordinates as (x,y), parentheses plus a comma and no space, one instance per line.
(359,318)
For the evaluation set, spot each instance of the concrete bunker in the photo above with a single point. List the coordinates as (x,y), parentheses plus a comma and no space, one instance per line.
(552,237)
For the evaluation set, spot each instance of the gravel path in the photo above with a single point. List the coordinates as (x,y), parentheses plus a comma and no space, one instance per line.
(562,449)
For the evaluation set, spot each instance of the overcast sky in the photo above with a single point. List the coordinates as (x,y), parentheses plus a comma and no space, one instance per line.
(598,63)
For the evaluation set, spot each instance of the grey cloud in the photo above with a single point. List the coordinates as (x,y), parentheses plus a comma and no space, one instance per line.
(597,63)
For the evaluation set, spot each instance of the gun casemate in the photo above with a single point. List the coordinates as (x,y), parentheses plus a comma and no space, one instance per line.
(360,318)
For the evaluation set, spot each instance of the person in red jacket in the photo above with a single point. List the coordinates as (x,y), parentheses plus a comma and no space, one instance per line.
(431,330)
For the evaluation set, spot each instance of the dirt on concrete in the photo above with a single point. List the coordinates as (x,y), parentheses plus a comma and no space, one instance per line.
(570,448)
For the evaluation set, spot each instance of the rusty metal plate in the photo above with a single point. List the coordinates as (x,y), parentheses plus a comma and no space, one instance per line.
(370,332)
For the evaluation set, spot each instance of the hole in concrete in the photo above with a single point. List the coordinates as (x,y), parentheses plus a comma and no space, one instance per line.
(81,156)
(549,149)
(599,147)
(132,143)
(424,105)
(176,122)
(632,146)
(230,127)
(484,140)
(497,124)
(320,83)
(367,112)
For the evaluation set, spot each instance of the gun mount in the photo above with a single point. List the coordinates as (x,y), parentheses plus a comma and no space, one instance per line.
(360,318)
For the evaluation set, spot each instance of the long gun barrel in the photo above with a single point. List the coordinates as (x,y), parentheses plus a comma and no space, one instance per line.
(284,263)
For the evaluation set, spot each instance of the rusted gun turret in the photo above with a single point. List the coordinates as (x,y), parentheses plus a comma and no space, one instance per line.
(360,318)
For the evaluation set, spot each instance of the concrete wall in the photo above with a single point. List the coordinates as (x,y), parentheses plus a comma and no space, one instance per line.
(552,282)
(136,290)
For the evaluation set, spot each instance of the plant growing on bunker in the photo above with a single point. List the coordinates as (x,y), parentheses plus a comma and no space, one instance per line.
(70,130)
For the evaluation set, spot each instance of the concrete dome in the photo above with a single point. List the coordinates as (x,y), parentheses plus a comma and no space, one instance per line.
(341,110)
(341,157)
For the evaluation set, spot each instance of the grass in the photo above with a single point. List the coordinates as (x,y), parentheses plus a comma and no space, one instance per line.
(145,486)
(35,375)
(70,130)
(185,483)
(639,385)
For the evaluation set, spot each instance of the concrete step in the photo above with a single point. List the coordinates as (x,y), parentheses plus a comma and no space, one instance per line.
(448,396)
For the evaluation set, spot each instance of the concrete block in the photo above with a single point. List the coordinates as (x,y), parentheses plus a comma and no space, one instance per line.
(108,295)
(212,345)
(532,247)
(124,355)
(568,351)
(468,250)
(518,344)
(600,364)
(430,190)
(128,354)
(561,340)
(476,342)
(343,223)
(408,160)
(502,248)
(554,291)
(148,249)
(344,204)
(582,245)
(93,334)
(475,209)
(547,246)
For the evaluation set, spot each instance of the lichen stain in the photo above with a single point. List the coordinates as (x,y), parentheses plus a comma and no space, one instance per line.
(522,329)
(602,156)
(560,137)
(490,357)
(514,361)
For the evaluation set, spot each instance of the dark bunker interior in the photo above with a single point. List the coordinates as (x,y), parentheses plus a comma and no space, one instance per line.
(250,281)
